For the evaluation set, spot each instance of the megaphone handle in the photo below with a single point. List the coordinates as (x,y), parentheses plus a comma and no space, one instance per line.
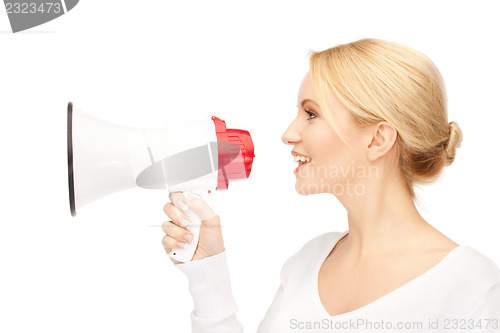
(187,253)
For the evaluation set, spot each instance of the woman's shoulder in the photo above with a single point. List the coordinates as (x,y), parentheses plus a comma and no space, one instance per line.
(312,250)
(323,241)
(319,244)
(467,274)
(475,279)
(476,265)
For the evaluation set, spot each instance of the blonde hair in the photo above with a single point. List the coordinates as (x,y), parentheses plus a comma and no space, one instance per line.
(380,80)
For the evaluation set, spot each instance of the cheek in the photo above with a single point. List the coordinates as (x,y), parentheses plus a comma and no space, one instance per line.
(334,160)
(328,148)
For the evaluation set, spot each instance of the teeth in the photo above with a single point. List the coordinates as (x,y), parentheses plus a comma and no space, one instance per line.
(297,158)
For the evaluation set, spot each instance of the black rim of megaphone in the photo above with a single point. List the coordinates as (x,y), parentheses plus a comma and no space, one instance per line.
(71,183)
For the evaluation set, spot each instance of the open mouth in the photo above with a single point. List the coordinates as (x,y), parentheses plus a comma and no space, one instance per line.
(302,160)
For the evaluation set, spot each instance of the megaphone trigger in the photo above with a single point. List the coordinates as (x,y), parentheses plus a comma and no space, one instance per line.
(189,195)
(187,253)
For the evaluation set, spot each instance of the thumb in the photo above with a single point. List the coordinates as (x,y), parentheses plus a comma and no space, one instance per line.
(199,206)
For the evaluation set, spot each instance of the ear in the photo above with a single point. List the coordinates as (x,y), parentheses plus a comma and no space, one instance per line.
(382,137)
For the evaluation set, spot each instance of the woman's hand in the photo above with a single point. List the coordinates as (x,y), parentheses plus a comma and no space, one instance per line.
(210,241)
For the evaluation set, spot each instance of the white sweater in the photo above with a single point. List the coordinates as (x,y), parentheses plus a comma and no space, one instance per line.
(459,294)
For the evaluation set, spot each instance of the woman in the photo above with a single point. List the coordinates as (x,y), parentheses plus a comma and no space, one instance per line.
(371,122)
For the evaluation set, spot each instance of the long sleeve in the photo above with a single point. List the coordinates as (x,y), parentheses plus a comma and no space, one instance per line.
(487,315)
(210,286)
(266,324)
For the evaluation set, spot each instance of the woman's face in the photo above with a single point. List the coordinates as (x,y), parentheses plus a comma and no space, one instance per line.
(334,166)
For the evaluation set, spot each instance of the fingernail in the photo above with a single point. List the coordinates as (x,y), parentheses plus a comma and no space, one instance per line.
(188,196)
(185,223)
(183,205)
(189,238)
(181,245)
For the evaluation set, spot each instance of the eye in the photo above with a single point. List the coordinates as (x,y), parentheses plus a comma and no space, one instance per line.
(310,113)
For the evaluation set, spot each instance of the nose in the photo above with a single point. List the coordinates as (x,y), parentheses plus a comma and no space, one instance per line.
(291,135)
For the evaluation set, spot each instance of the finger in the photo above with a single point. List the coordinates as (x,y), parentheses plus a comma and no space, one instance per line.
(171,243)
(178,199)
(177,216)
(174,261)
(199,206)
(180,234)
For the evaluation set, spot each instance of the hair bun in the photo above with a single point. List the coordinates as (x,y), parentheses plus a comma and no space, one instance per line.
(454,142)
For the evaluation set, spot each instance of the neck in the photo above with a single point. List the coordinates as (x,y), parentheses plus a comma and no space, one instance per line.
(383,220)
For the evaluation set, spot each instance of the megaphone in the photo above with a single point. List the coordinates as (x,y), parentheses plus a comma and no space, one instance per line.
(188,156)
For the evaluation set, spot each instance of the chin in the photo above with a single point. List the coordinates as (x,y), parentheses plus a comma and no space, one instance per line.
(307,188)
(337,187)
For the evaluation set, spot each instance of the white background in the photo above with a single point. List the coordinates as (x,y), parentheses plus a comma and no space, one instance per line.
(140,63)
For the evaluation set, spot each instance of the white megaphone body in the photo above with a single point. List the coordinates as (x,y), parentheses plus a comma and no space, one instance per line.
(104,158)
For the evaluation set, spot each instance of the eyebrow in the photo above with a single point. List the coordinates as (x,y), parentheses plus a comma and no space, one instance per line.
(307,100)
